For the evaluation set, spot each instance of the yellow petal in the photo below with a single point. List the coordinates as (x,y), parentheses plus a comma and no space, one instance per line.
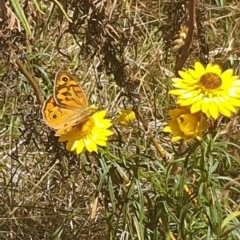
(236,82)
(235,102)
(187,95)
(205,104)
(199,68)
(80,147)
(196,107)
(167,129)
(101,143)
(177,91)
(195,75)
(234,92)
(213,110)
(176,81)
(213,69)
(223,110)
(90,145)
(100,114)
(176,138)
(185,102)
(227,75)
(71,145)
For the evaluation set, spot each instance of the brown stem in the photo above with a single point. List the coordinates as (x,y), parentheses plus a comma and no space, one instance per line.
(30,79)
(184,51)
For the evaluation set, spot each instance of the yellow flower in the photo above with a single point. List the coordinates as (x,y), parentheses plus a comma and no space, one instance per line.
(185,125)
(89,134)
(208,90)
(125,116)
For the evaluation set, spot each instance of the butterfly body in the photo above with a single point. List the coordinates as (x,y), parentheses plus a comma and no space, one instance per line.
(68,106)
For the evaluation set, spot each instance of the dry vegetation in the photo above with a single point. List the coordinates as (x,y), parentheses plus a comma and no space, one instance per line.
(124,54)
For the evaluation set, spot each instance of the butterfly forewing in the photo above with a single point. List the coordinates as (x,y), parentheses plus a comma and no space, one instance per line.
(67,90)
(68,107)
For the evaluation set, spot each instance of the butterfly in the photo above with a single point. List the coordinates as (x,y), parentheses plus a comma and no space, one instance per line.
(67,107)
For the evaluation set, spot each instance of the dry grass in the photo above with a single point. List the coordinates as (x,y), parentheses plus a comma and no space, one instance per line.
(124,55)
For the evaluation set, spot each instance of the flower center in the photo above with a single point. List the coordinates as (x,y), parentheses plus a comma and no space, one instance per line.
(210,81)
(85,128)
(187,123)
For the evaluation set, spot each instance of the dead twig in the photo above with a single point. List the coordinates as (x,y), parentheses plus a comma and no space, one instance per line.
(30,79)
(184,50)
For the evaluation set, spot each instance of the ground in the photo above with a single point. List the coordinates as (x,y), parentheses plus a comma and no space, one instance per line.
(124,54)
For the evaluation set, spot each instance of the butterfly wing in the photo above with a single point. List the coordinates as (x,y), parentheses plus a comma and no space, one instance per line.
(67,91)
(63,120)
